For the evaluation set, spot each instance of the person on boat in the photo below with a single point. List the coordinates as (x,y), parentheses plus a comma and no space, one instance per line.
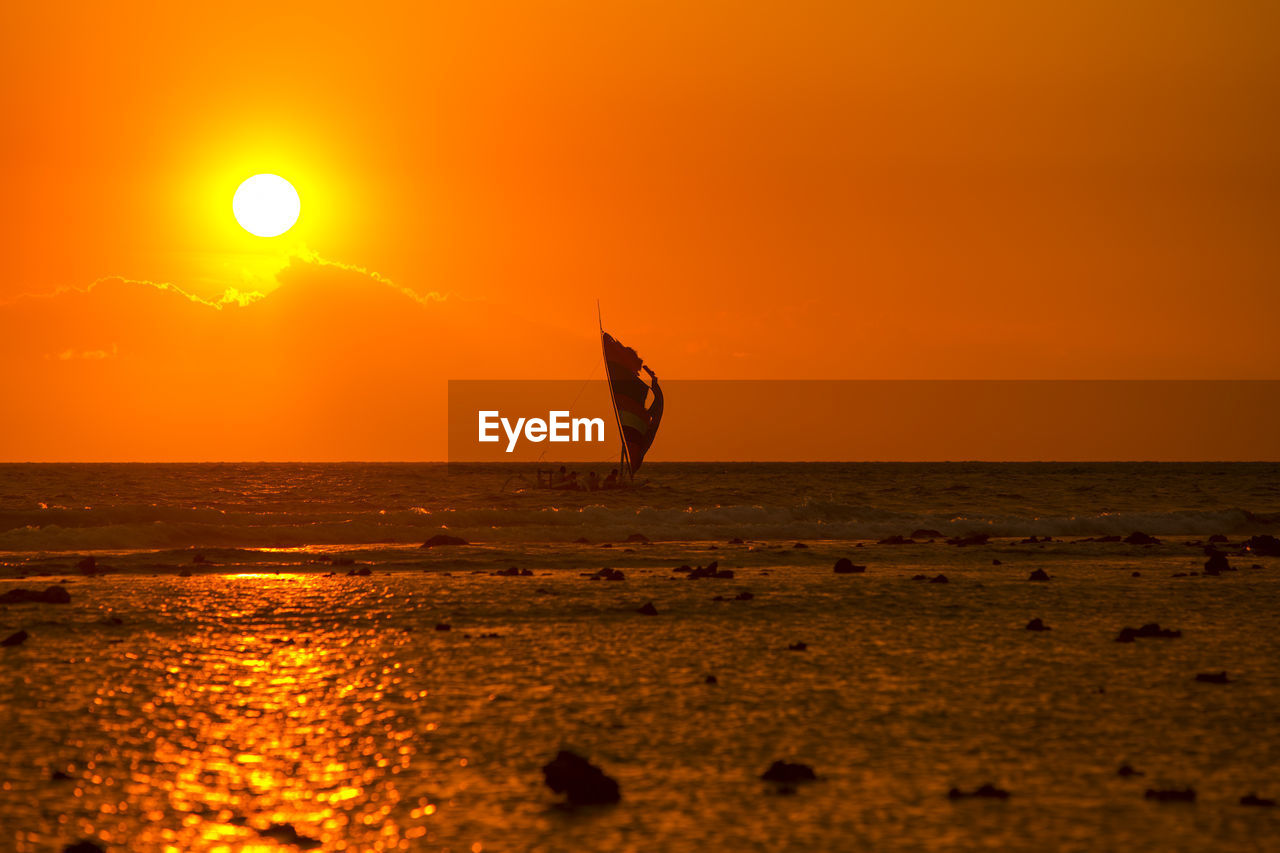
(593,481)
(654,411)
(611,482)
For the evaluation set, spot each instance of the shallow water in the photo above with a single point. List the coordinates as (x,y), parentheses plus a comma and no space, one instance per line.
(223,703)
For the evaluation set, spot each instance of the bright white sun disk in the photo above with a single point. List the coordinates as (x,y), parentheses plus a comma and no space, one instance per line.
(266,205)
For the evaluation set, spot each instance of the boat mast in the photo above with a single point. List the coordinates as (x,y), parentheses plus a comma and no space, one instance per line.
(617,415)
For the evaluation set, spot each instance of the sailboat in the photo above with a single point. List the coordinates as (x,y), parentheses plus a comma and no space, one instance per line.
(637,422)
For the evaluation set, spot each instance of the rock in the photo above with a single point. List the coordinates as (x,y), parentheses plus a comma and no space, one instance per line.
(443,626)
(582,540)
(1217,539)
(84,847)
(362,572)
(798,647)
(1038,575)
(1037,625)
(996,562)
(799,545)
(919,577)
(1126,771)
(1171,795)
(971,539)
(286,834)
(579,780)
(787,773)
(647,609)
(987,791)
(1139,538)
(1217,564)
(1255,800)
(441,540)
(88,566)
(514,572)
(1150,630)
(1135,574)
(15,639)
(845,566)
(939,579)
(925,533)
(1263,546)
(51,595)
(710,679)
(1213,677)
(735,541)
(711,570)
(638,537)
(607,574)
(743,596)
(895,540)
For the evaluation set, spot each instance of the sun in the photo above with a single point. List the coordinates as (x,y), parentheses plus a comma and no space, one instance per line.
(266,205)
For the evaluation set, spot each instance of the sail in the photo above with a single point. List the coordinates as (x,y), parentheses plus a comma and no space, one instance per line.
(637,422)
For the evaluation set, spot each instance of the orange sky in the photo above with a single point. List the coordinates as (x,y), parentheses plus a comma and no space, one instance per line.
(807,190)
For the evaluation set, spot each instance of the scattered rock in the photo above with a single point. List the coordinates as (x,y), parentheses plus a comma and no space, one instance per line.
(441,540)
(711,570)
(286,834)
(710,679)
(845,566)
(799,545)
(939,579)
(925,533)
(987,791)
(1171,795)
(1140,538)
(1135,575)
(362,572)
(919,577)
(514,572)
(647,609)
(579,780)
(638,537)
(1038,575)
(443,626)
(1035,540)
(735,541)
(15,639)
(743,596)
(51,595)
(971,539)
(788,773)
(996,562)
(88,566)
(1127,771)
(798,647)
(1213,677)
(1255,800)
(896,540)
(607,574)
(1217,564)
(1037,625)
(1150,630)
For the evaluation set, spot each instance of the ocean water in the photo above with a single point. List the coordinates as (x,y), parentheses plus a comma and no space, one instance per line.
(193,705)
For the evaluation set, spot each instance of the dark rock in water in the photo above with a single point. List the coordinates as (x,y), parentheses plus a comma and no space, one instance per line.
(919,577)
(362,572)
(514,572)
(84,847)
(797,647)
(441,540)
(996,562)
(735,541)
(582,540)
(1035,540)
(787,773)
(743,596)
(1217,564)
(683,570)
(59,776)
(88,566)
(710,679)
(939,579)
(51,595)
(607,574)
(1150,630)
(711,570)
(15,639)
(1136,575)
(638,537)
(987,791)
(845,566)
(925,533)
(1171,795)
(799,545)
(443,626)
(1038,575)
(286,834)
(895,540)
(1126,771)
(579,780)
(1139,538)
(971,539)
(1037,625)
(647,609)
(1255,800)
(1217,539)
(1213,677)
(1263,546)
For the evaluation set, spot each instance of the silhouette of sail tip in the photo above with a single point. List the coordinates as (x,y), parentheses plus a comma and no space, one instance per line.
(637,422)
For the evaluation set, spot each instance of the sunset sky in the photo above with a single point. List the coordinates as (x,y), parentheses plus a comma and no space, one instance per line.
(804,191)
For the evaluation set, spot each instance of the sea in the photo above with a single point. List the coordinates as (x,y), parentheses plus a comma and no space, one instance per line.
(265,657)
